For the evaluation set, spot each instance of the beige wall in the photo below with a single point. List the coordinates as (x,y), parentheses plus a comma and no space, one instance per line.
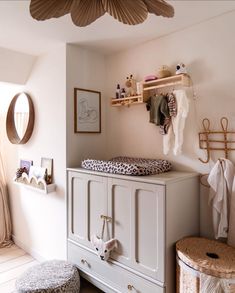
(208,51)
(84,69)
(15,67)
(39,220)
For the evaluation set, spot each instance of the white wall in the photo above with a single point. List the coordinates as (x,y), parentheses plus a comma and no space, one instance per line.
(15,67)
(39,220)
(84,69)
(208,51)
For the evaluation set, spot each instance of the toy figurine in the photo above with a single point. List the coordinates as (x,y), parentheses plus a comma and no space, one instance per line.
(181,68)
(131,86)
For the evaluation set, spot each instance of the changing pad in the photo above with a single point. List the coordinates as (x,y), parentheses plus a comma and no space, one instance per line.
(128,166)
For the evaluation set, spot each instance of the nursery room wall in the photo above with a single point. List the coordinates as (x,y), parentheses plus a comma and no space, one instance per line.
(39,220)
(85,69)
(12,63)
(207,49)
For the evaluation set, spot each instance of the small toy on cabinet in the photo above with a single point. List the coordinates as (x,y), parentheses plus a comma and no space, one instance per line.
(181,68)
(103,248)
(131,86)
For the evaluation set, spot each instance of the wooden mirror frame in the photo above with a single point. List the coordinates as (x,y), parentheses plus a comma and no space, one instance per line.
(12,133)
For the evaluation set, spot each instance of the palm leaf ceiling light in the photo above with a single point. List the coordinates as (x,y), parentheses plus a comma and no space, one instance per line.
(84,12)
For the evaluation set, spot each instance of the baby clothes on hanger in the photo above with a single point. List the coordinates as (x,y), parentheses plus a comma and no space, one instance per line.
(231,230)
(221,180)
(178,122)
(172,108)
(158,107)
(172,104)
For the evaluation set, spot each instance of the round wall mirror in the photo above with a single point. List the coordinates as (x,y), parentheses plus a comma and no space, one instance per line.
(20,119)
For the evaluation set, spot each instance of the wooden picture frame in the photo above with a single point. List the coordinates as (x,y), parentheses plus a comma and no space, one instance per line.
(87,111)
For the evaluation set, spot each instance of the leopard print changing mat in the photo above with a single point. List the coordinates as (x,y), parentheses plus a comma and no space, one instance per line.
(128,166)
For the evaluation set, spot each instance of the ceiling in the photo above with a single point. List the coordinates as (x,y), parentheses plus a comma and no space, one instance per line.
(19,32)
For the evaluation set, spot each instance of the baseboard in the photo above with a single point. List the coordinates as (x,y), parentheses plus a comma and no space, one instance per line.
(28,249)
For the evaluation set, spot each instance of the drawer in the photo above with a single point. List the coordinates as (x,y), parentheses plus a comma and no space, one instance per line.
(116,279)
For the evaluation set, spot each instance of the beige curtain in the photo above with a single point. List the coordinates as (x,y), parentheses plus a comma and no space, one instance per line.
(5,219)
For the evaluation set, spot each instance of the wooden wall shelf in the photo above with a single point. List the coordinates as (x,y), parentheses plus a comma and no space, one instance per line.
(161,83)
(175,80)
(127,101)
(35,184)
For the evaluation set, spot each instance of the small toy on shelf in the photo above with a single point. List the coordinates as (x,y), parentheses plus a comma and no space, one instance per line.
(163,71)
(150,78)
(20,171)
(131,86)
(181,68)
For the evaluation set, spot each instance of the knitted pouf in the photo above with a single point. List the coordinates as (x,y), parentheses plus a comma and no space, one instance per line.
(50,277)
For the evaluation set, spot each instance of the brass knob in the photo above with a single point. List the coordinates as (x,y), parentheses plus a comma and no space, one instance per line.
(130,287)
(83,261)
(108,219)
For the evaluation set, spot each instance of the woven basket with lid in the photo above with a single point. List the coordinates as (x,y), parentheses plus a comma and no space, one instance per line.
(206,256)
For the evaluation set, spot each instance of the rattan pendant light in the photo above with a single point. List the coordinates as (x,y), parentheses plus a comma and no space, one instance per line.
(84,12)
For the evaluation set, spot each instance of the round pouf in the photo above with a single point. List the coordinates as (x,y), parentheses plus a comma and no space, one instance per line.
(50,277)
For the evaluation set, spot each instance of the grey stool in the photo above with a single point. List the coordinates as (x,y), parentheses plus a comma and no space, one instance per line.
(50,277)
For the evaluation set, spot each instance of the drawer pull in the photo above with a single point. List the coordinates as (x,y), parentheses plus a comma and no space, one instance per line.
(130,287)
(83,261)
(108,219)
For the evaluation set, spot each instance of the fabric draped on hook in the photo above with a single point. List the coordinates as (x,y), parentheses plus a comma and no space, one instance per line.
(222,198)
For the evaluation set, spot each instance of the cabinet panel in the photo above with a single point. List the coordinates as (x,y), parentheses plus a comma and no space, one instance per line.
(87,201)
(78,204)
(97,204)
(138,212)
(121,207)
(147,227)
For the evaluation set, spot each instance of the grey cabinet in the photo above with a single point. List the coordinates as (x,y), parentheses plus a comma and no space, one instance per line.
(149,214)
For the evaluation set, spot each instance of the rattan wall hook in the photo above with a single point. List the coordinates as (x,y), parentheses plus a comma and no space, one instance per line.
(206,128)
(219,140)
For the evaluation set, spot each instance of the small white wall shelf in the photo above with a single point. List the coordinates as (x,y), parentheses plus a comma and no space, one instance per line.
(35,184)
(175,80)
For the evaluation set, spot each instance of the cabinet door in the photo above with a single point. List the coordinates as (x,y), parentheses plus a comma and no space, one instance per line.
(138,213)
(87,201)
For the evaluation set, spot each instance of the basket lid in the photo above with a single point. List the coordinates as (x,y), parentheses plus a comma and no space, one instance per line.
(210,257)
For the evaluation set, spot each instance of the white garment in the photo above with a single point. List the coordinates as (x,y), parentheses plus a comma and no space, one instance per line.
(231,230)
(220,180)
(209,284)
(176,129)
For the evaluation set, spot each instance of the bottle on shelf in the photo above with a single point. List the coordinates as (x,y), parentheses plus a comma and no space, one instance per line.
(118,91)
(123,93)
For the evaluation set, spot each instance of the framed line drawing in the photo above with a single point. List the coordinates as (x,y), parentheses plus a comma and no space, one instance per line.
(87,111)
